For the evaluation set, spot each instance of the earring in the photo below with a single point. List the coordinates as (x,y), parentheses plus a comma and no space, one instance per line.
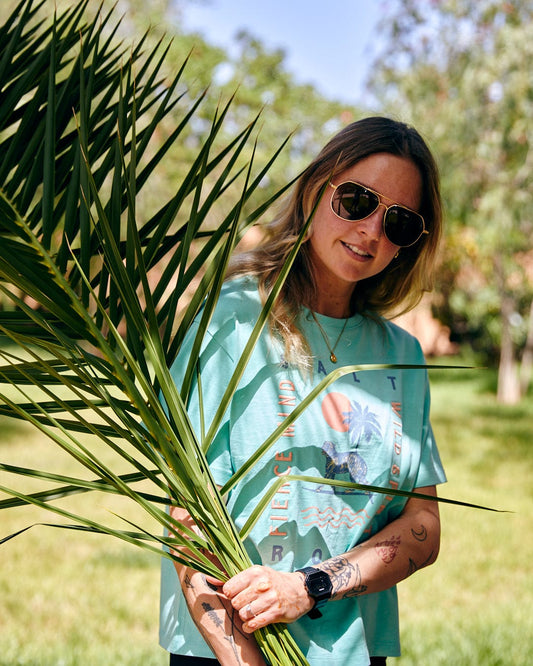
(397,254)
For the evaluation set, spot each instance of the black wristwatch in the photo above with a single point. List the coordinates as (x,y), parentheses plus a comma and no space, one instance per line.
(318,586)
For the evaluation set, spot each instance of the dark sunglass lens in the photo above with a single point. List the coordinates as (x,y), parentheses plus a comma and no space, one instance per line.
(353,202)
(402,227)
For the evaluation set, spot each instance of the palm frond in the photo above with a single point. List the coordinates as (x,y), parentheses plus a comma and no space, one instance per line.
(94,354)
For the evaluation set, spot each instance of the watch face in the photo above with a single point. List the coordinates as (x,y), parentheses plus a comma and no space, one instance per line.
(319,584)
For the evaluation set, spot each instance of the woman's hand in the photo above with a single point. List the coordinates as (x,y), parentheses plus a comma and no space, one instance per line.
(264,596)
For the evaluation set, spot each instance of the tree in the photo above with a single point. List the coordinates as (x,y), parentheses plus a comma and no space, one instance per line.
(257,80)
(457,69)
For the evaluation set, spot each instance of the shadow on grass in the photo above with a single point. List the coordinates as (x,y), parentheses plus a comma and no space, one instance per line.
(509,428)
(466,412)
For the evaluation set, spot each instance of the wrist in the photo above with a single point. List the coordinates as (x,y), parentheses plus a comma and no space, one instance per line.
(319,588)
(308,601)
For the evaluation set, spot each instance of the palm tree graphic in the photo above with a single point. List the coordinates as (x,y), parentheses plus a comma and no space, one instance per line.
(362,423)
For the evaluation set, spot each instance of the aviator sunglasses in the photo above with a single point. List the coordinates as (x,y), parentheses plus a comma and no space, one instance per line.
(353,202)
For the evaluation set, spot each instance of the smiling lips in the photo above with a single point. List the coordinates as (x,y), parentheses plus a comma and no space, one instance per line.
(357,251)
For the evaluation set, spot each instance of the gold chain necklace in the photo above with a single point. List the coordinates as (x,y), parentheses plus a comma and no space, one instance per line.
(332,356)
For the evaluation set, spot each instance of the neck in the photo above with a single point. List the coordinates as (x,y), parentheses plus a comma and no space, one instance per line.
(333,298)
(332,306)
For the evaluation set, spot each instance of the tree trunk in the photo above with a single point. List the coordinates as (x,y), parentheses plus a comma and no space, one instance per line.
(508,381)
(526,370)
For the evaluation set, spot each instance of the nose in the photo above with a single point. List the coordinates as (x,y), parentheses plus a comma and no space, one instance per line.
(372,226)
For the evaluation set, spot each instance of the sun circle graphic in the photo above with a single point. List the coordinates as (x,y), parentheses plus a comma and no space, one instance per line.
(333,406)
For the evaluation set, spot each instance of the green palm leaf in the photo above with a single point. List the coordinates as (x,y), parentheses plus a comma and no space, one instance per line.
(71,243)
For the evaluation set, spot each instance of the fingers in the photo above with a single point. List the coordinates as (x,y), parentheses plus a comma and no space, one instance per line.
(249,611)
(255,615)
(249,586)
(251,594)
(263,584)
(255,579)
(214,582)
(263,596)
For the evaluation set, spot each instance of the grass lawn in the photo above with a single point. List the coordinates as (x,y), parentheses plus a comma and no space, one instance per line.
(68,598)
(475,605)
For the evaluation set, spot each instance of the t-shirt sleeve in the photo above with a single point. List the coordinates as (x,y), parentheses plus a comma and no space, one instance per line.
(430,471)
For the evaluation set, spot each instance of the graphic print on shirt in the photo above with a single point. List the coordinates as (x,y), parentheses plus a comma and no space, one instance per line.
(355,436)
(361,424)
(357,425)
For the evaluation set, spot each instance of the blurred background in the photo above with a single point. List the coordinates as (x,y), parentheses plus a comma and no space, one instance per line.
(460,71)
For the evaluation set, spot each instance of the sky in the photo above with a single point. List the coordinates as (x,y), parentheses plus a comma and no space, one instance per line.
(327,43)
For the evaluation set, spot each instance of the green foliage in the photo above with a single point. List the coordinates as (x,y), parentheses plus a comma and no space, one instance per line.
(93,357)
(456,70)
(257,80)
(93,338)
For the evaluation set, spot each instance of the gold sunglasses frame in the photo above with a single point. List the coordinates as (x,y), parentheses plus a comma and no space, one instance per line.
(380,203)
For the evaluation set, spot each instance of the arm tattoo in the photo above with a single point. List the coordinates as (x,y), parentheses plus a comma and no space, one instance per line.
(188,582)
(230,612)
(211,614)
(234,648)
(209,585)
(234,628)
(341,573)
(219,624)
(421,535)
(358,588)
(387,550)
(411,568)
(414,567)
(426,562)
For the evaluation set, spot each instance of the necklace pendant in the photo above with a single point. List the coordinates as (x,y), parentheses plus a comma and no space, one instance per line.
(333,358)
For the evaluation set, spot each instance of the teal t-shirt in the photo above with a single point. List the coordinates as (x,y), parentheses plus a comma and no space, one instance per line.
(371,427)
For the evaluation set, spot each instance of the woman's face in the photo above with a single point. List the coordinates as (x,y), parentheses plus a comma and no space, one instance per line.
(344,252)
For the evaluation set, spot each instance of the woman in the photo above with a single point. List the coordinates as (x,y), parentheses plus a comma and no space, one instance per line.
(327,558)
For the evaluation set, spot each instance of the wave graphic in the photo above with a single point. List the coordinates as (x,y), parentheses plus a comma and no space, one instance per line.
(328,517)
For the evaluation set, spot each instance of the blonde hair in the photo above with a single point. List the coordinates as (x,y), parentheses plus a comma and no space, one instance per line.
(399,287)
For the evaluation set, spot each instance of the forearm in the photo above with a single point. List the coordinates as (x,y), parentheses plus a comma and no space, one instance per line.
(409,543)
(217,621)
(263,596)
